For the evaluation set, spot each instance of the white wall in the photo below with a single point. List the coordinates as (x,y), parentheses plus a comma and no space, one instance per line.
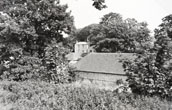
(80,48)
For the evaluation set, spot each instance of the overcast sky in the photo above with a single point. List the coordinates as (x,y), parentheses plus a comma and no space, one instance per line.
(151,11)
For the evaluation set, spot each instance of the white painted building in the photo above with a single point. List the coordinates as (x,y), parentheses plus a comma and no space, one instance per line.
(80,48)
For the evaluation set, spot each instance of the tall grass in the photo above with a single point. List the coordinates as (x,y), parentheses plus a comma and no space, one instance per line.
(32,95)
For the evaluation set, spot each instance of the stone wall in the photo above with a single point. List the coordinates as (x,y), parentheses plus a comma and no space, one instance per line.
(106,81)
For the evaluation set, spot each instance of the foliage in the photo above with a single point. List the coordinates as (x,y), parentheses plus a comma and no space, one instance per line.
(34,24)
(30,33)
(88,32)
(52,68)
(113,34)
(55,67)
(151,73)
(44,96)
(99,4)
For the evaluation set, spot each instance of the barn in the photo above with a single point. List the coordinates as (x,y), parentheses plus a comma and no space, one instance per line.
(98,68)
(102,68)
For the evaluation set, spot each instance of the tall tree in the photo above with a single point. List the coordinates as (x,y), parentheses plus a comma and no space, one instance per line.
(28,28)
(37,23)
(163,36)
(151,72)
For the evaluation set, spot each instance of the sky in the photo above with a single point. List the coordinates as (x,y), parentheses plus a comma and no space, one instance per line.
(150,11)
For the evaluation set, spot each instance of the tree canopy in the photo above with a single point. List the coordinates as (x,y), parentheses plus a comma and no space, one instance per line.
(30,28)
(114,34)
(33,24)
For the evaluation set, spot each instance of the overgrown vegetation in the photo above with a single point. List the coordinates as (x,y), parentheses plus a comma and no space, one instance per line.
(44,96)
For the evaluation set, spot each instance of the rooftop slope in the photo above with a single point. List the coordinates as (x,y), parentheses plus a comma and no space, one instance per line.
(104,62)
(70,56)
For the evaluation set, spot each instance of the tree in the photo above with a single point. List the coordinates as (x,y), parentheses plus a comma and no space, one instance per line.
(27,28)
(113,34)
(39,22)
(151,73)
(88,32)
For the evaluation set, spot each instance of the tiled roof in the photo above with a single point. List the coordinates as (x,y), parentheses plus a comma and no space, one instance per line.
(103,62)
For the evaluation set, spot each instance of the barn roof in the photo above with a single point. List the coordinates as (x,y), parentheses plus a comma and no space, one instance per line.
(104,62)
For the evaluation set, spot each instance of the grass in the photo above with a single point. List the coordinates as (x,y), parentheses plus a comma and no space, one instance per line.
(33,95)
